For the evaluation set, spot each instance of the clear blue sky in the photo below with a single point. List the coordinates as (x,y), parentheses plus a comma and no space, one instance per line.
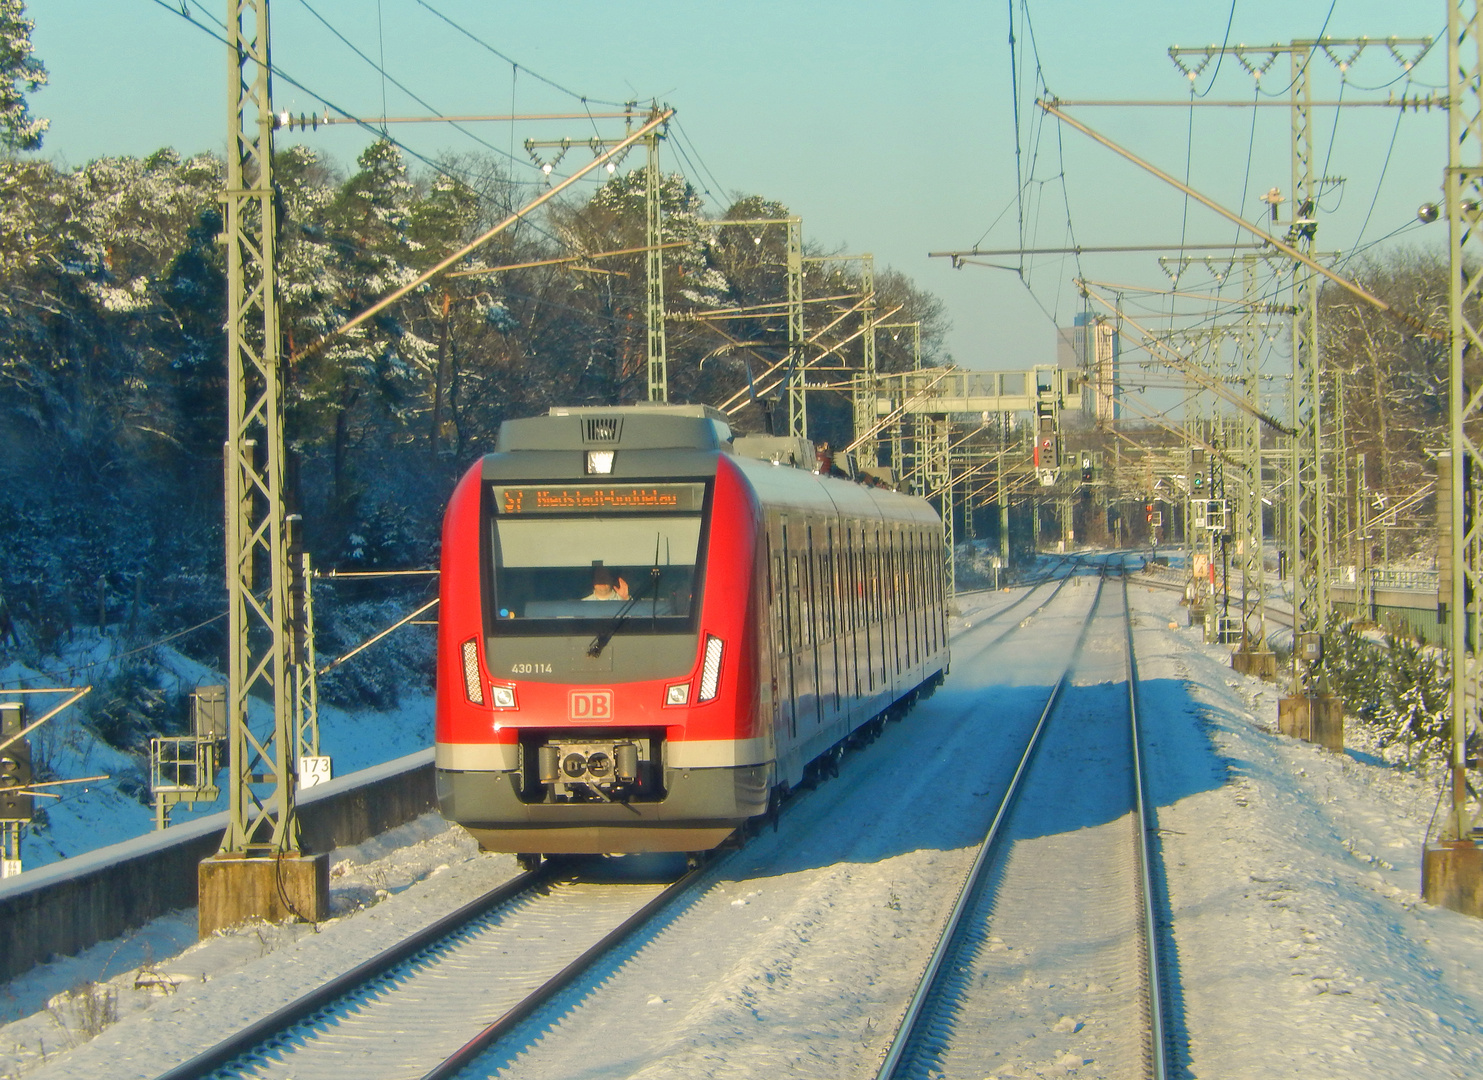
(888,126)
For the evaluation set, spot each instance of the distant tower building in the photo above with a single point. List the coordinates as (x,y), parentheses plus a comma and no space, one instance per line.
(1092,346)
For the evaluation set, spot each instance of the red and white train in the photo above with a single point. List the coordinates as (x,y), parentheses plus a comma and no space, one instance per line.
(650,629)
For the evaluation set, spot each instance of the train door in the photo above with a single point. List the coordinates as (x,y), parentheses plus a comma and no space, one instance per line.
(920,572)
(831,584)
(879,577)
(782,708)
(815,605)
(909,592)
(853,591)
(867,609)
(798,601)
(789,622)
(893,552)
(909,575)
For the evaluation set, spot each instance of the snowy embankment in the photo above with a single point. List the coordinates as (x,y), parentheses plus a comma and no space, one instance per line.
(1302,947)
(84,817)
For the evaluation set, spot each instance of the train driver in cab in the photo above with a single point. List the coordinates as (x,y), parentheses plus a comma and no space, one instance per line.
(606,585)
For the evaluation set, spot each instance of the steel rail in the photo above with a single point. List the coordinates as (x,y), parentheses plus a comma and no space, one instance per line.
(303,1007)
(986,646)
(1145,821)
(1276,615)
(1032,585)
(452,1065)
(948,938)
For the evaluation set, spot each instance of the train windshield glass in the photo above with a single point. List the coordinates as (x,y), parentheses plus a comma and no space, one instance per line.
(594,567)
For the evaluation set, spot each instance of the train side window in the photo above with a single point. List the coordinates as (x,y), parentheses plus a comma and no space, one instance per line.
(909,554)
(774,595)
(894,573)
(898,579)
(884,558)
(826,593)
(826,600)
(880,577)
(857,578)
(831,556)
(811,584)
(821,562)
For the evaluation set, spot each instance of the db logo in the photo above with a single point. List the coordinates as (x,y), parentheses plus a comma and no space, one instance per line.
(592,705)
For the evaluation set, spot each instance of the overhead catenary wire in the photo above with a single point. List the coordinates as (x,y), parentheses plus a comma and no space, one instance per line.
(1303,67)
(1408,319)
(731,194)
(1379,184)
(1226,40)
(278,72)
(437,167)
(512,61)
(1014,102)
(385,76)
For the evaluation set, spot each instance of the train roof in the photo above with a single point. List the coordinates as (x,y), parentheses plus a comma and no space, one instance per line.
(619,427)
(685,439)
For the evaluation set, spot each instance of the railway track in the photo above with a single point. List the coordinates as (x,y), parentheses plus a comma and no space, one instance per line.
(431,1003)
(1025,594)
(1274,613)
(622,1015)
(1052,947)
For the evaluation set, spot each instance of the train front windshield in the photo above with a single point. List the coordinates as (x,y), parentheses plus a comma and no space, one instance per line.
(556,570)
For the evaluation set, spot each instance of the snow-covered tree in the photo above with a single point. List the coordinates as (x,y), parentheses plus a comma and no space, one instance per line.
(19,71)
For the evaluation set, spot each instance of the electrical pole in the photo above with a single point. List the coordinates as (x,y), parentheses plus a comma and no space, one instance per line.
(1252,657)
(793,265)
(797,402)
(1308,707)
(1452,871)
(259,870)
(654,306)
(1309,539)
(900,434)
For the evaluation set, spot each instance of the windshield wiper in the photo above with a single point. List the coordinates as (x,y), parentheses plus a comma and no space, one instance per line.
(601,641)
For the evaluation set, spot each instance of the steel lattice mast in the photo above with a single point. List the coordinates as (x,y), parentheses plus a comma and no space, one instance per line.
(658,366)
(1253,575)
(1308,540)
(1464,189)
(797,399)
(1308,527)
(261,819)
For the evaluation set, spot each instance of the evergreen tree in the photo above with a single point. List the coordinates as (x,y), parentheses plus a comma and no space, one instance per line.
(18,68)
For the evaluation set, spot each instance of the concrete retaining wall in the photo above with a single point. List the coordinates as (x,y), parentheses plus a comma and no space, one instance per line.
(68,906)
(1402,610)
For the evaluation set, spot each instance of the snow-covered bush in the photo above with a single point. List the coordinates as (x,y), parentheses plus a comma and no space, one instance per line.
(1396,685)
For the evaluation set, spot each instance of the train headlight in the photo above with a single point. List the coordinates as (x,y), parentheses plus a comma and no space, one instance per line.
(678,694)
(473,686)
(600,462)
(504,697)
(710,672)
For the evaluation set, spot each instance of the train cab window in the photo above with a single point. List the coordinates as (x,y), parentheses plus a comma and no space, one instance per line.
(594,567)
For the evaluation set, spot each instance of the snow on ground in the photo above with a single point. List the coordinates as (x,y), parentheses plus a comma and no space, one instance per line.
(1292,877)
(381,890)
(1303,946)
(87,816)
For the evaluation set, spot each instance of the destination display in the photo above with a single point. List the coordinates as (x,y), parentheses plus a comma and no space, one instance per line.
(584,498)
